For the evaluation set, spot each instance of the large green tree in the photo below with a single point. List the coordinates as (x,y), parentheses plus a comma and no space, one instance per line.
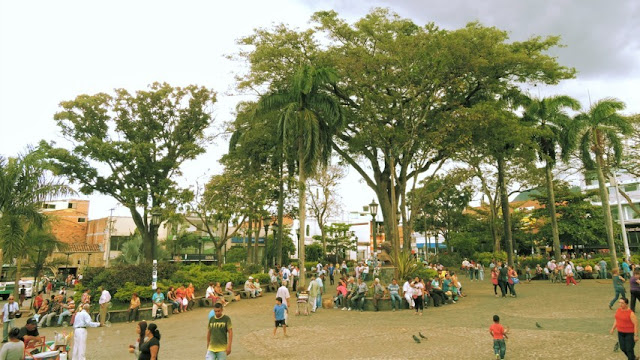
(549,116)
(600,133)
(403,88)
(131,146)
(308,119)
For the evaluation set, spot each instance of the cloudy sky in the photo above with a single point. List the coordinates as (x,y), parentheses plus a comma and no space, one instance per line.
(54,50)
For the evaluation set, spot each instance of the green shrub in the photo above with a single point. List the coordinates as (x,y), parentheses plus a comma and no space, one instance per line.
(201,275)
(450,260)
(426,273)
(262,278)
(230,267)
(236,254)
(251,268)
(485,257)
(310,265)
(313,252)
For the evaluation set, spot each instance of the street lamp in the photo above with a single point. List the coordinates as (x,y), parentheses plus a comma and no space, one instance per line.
(373,210)
(274,228)
(266,236)
(156,218)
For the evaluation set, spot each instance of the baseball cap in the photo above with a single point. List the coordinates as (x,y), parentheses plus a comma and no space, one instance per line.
(31,321)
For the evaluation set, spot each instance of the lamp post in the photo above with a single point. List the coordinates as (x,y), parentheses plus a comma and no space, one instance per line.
(373,210)
(274,228)
(156,218)
(266,236)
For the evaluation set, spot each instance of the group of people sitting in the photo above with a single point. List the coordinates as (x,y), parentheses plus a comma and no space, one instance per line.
(182,298)
(57,307)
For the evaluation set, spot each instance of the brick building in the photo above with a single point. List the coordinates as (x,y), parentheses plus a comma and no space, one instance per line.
(69,219)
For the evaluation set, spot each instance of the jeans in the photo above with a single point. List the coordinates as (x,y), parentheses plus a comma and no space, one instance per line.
(220,355)
(8,325)
(619,293)
(419,304)
(438,297)
(396,301)
(46,320)
(319,301)
(364,276)
(62,315)
(632,303)
(470,275)
(499,347)
(133,314)
(339,301)
(357,301)
(512,288)
(627,344)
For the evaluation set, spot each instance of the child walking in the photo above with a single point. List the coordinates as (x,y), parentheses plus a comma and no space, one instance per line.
(499,334)
(279,311)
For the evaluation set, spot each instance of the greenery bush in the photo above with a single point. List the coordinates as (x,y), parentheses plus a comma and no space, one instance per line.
(201,275)
(251,269)
(113,277)
(313,252)
(236,254)
(262,278)
(426,273)
(450,260)
(310,265)
(230,267)
(485,257)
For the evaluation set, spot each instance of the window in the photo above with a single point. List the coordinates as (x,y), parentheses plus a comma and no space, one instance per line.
(49,206)
(308,228)
(630,187)
(81,220)
(72,206)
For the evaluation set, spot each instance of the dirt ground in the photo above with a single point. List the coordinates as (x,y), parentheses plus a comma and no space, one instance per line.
(575,324)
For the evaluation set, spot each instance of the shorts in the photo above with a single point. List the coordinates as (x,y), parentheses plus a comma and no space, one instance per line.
(280,323)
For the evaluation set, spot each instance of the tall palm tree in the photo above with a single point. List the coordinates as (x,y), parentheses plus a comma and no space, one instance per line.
(599,131)
(549,116)
(24,186)
(309,117)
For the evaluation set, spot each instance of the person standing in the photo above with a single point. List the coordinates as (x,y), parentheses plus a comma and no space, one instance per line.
(568,273)
(618,287)
(626,269)
(331,270)
(314,291)
(407,290)
(320,282)
(80,325)
(344,269)
(603,269)
(418,293)
(23,294)
(105,301)
(283,293)
(494,280)
(634,287)
(219,335)
(279,313)
(627,325)
(295,273)
(9,311)
(151,347)
(503,278)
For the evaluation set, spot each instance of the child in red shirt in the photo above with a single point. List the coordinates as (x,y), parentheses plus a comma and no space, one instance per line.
(499,334)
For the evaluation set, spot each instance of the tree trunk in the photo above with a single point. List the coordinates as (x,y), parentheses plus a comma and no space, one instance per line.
(608,220)
(394,209)
(302,212)
(506,216)
(492,226)
(1,262)
(280,216)
(249,237)
(16,289)
(551,199)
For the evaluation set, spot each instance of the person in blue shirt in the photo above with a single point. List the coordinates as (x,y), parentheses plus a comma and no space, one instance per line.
(279,311)
(626,269)
(158,302)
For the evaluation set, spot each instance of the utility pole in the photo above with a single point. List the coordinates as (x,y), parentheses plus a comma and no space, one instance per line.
(109,226)
(625,241)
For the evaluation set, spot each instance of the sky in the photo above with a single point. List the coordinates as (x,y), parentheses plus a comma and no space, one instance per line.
(51,51)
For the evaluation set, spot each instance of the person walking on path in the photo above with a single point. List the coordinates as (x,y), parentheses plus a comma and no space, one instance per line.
(279,313)
(80,325)
(494,280)
(283,293)
(314,292)
(151,347)
(499,334)
(634,287)
(105,300)
(9,311)
(627,325)
(618,287)
(219,335)
(503,278)
(568,273)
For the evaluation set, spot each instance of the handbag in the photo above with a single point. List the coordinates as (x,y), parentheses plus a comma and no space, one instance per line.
(515,280)
(185,302)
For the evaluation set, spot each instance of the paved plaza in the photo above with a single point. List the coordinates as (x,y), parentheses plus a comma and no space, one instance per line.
(575,322)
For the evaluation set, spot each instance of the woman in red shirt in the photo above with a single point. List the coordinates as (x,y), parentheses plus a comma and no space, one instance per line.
(627,325)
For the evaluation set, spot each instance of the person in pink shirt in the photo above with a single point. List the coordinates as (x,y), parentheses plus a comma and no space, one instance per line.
(341,294)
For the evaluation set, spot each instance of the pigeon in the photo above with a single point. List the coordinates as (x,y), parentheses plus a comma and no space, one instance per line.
(616,347)
(415,338)
(422,336)
(538,326)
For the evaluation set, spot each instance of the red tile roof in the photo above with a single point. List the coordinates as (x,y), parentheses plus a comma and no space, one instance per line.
(76,248)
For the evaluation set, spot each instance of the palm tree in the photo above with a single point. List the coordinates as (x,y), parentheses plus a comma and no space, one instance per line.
(24,186)
(40,243)
(309,117)
(599,131)
(549,116)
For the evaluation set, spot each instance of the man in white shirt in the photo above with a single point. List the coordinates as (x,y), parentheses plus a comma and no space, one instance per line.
(283,293)
(286,275)
(319,269)
(80,324)
(407,291)
(295,273)
(9,311)
(105,299)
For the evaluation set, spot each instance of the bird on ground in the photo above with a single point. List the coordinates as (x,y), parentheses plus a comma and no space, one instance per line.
(538,326)
(422,336)
(415,338)
(616,347)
